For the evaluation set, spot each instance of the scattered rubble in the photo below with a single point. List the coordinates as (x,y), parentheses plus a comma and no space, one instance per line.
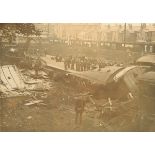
(109,111)
(29,117)
(34,102)
(20,83)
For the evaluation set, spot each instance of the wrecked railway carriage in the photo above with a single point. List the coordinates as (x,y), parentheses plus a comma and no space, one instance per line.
(112,81)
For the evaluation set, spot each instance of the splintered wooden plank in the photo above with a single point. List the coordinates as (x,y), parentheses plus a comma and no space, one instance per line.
(4,79)
(9,77)
(16,77)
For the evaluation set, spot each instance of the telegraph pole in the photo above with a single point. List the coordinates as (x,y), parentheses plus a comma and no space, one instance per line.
(48,29)
(124,34)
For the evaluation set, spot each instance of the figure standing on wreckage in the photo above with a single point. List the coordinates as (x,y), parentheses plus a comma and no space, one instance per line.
(80,103)
(79,109)
(37,66)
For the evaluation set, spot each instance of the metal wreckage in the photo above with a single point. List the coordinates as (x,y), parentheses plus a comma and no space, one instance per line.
(115,93)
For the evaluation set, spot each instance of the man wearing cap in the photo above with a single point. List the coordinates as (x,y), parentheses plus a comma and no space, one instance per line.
(79,108)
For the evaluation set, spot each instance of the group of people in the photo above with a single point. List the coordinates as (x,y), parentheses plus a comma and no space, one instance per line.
(84,63)
(78,63)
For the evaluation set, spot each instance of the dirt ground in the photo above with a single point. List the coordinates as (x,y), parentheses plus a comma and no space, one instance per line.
(56,114)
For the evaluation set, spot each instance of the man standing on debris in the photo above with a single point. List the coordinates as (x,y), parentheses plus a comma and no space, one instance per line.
(37,66)
(79,107)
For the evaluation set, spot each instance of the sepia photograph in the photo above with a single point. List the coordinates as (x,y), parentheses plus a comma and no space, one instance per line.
(77,77)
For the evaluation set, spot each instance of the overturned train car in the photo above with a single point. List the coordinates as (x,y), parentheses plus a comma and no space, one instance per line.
(114,82)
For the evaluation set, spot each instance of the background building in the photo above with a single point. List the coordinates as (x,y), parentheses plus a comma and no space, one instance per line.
(120,33)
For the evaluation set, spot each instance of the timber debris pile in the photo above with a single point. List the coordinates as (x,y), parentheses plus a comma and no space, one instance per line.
(107,94)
